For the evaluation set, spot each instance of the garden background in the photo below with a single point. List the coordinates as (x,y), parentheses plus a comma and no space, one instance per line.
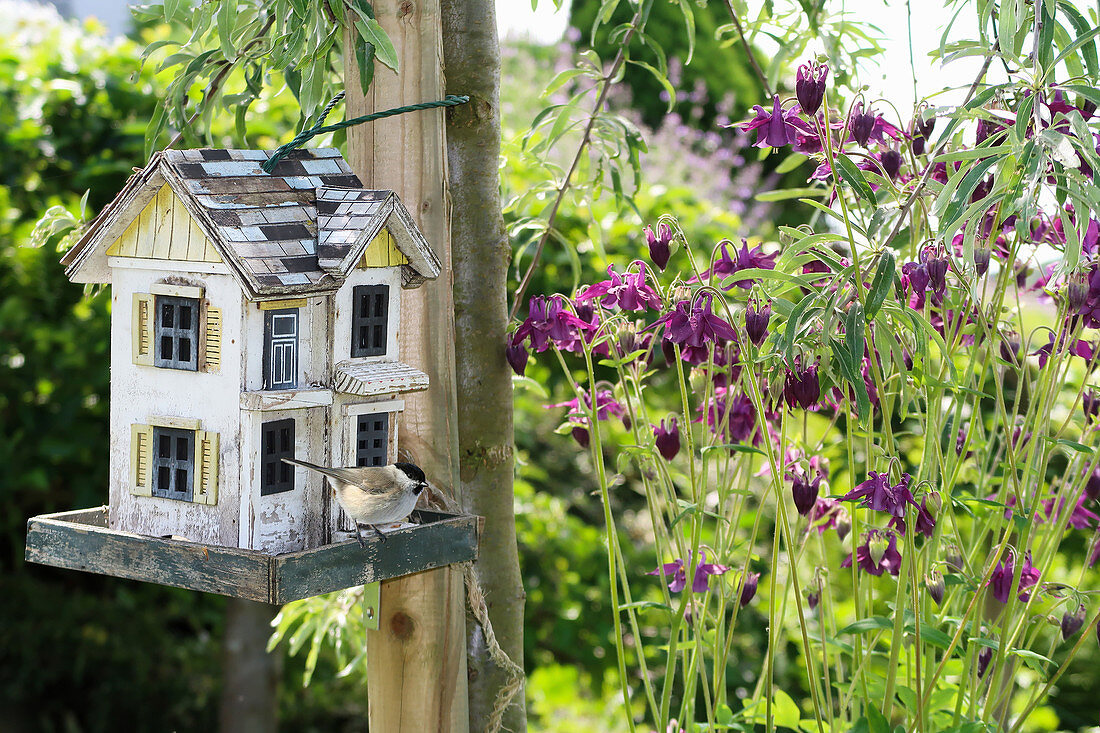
(84,653)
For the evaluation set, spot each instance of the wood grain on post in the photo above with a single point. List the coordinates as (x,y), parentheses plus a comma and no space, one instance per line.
(417,658)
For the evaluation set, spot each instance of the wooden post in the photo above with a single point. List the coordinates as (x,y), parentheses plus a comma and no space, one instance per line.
(417,658)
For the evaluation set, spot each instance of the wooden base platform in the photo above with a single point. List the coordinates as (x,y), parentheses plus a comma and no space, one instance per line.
(81,540)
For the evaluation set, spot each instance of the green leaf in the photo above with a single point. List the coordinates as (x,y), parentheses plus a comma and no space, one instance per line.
(1036,661)
(371,32)
(883,283)
(785,710)
(877,722)
(364,59)
(853,176)
(782,194)
(871,623)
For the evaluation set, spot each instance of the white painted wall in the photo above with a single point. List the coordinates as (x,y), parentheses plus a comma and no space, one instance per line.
(139,393)
(341,341)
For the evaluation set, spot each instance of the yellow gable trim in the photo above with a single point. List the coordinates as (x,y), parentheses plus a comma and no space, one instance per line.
(382,252)
(164,230)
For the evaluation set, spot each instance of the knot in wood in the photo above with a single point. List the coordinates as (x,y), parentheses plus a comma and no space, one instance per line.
(402,625)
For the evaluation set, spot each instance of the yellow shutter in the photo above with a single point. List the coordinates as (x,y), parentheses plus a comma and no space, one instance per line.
(206,468)
(142,328)
(213,353)
(141,460)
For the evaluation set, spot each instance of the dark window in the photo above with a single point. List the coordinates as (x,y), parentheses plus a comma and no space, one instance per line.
(277,443)
(372,439)
(281,349)
(176,332)
(371,309)
(173,463)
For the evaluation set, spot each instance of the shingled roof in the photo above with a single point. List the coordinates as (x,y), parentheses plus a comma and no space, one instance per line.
(298,230)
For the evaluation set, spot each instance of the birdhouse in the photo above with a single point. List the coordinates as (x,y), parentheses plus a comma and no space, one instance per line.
(254,316)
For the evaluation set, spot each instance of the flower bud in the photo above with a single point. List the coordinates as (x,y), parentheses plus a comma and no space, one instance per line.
(667,438)
(985,656)
(813,598)
(1072,622)
(581,436)
(1090,404)
(1092,486)
(981,260)
(1010,350)
(748,588)
(659,249)
(861,124)
(937,273)
(1076,293)
(843,526)
(805,492)
(809,86)
(935,503)
(921,130)
(517,357)
(954,559)
(935,585)
(627,335)
(668,350)
(756,323)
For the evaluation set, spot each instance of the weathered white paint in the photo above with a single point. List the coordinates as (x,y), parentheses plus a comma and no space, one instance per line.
(341,341)
(291,520)
(140,394)
(286,399)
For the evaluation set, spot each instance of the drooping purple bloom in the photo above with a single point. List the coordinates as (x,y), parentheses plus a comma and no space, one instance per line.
(606,406)
(1092,486)
(801,388)
(700,573)
(580,434)
(745,258)
(878,553)
(1091,309)
(891,161)
(667,438)
(748,588)
(548,320)
(659,244)
(773,129)
(756,322)
(1001,579)
(693,323)
(1072,622)
(516,354)
(809,86)
(629,291)
(926,523)
(865,125)
(1079,518)
(877,494)
(733,418)
(1080,348)
(804,490)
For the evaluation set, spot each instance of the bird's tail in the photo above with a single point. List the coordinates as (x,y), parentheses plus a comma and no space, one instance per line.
(336,473)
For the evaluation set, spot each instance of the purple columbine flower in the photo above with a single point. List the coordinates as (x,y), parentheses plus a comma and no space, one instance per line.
(734,417)
(667,438)
(1001,579)
(829,514)
(548,321)
(580,434)
(1079,518)
(804,491)
(629,291)
(756,322)
(801,388)
(727,265)
(877,494)
(606,406)
(1091,309)
(1092,485)
(809,86)
(700,577)
(748,588)
(516,354)
(878,553)
(773,129)
(1079,348)
(891,161)
(659,244)
(1072,622)
(865,125)
(693,323)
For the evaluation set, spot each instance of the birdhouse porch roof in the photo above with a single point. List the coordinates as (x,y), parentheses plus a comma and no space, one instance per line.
(295,231)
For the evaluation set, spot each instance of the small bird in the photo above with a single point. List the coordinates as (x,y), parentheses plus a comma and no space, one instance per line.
(373,495)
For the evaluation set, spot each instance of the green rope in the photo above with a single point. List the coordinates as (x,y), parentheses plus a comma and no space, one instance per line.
(451,100)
